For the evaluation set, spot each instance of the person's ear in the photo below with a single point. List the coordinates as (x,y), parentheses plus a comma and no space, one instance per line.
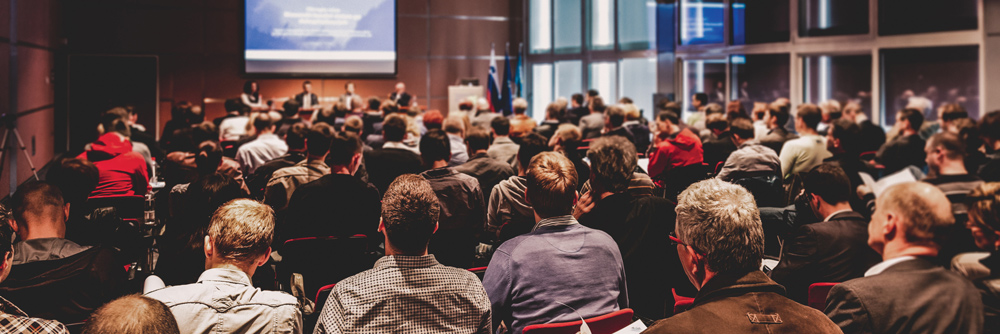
(891,228)
(66,212)
(526,200)
(209,247)
(436,225)
(8,259)
(13,224)
(263,259)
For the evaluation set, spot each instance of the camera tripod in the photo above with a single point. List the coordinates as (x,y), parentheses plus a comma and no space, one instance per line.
(11,126)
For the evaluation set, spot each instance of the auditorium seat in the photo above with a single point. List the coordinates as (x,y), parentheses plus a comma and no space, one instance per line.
(323,260)
(605,324)
(479,271)
(681,303)
(817,294)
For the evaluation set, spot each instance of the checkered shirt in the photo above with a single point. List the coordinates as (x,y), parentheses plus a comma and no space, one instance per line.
(407,294)
(13,320)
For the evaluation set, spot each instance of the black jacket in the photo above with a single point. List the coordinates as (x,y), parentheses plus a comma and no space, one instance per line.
(901,152)
(487,170)
(386,164)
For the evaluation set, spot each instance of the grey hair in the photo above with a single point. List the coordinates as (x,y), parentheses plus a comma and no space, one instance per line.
(612,161)
(721,220)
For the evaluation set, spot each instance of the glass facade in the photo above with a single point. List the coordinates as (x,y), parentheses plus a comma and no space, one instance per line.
(847,79)
(704,76)
(897,17)
(702,22)
(760,78)
(759,21)
(601,25)
(637,78)
(569,37)
(928,78)
(833,17)
(540,27)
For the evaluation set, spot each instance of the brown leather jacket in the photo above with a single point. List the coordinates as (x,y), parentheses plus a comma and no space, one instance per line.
(745,303)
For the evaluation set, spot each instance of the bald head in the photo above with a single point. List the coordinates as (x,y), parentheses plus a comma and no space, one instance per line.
(922,208)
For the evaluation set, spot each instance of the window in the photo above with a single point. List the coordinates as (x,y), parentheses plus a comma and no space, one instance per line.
(540,26)
(704,76)
(897,17)
(636,24)
(930,77)
(602,78)
(638,82)
(702,22)
(569,78)
(833,17)
(541,89)
(760,21)
(760,78)
(567,25)
(842,78)
(601,23)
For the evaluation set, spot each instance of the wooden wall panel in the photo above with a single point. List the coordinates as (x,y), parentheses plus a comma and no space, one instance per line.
(34,84)
(5,19)
(470,8)
(36,24)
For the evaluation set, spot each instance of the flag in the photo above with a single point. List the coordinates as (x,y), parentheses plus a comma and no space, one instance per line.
(517,72)
(492,94)
(505,98)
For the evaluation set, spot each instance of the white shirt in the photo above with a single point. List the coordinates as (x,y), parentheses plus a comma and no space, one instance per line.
(836,213)
(800,154)
(307,100)
(882,266)
(263,149)
(232,128)
(401,146)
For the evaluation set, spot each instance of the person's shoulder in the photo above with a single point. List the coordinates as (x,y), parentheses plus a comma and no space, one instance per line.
(10,323)
(686,322)
(274,298)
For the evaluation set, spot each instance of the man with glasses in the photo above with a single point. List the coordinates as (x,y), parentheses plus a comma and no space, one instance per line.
(720,243)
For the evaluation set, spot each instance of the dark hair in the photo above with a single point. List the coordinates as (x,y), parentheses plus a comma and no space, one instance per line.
(551,184)
(668,115)
(501,126)
(531,145)
(914,116)
(76,178)
(953,111)
(701,97)
(829,182)
(466,105)
(263,121)
(849,134)
(989,125)
(295,137)
(343,147)
(714,108)
(625,100)
(951,143)
(435,146)
(291,107)
(593,93)
(307,82)
(374,103)
(612,161)
(672,107)
(318,139)
(616,115)
(206,194)
(477,139)
(597,104)
(208,158)
(389,107)
(248,88)
(716,122)
(6,234)
(410,212)
(780,113)
(742,127)
(735,109)
(810,115)
(116,120)
(394,128)
(132,314)
(40,198)
(578,98)
(234,105)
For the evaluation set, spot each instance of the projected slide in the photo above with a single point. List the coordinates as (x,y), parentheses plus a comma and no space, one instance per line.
(345,37)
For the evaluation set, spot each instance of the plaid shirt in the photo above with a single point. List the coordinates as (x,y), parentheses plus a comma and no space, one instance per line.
(407,294)
(13,320)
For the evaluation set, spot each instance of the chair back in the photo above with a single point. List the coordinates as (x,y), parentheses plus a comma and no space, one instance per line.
(681,303)
(322,295)
(605,324)
(817,294)
(479,271)
(323,260)
(127,206)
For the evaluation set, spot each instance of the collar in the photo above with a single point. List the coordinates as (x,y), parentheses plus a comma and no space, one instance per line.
(406,261)
(397,145)
(502,140)
(732,284)
(748,143)
(225,275)
(439,172)
(478,155)
(9,308)
(882,266)
(268,136)
(555,221)
(836,213)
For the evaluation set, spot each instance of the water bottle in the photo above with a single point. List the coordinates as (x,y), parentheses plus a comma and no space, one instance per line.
(149,214)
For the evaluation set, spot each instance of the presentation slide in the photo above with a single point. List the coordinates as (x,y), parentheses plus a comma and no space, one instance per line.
(323,37)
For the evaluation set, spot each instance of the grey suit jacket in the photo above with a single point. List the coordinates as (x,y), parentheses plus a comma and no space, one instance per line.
(591,125)
(913,296)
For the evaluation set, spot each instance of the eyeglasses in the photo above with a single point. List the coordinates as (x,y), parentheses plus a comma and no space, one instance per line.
(674,240)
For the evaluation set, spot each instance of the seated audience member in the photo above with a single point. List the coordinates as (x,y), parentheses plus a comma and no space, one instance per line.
(284,181)
(613,124)
(834,249)
(904,292)
(548,127)
(635,124)
(432,119)
(674,147)
(488,171)
(508,208)
(295,139)
(968,131)
(830,109)
(946,165)
(907,149)
(266,147)
(394,158)
(76,179)
(577,109)
(122,171)
(775,117)
(290,116)
(407,291)
(132,315)
(503,149)
(636,223)
(12,319)
(521,124)
(140,138)
(208,160)
(983,268)
(802,154)
(54,277)
(720,243)
(238,241)
(872,136)
(592,124)
(704,133)
(719,145)
(337,204)
(566,140)
(454,127)
(558,261)
(234,123)
(751,159)
(462,210)
(843,141)
(484,115)
(989,129)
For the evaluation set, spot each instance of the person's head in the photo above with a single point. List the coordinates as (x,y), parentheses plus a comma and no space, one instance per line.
(234,106)
(666,121)
(735,109)
(410,212)
(435,146)
(240,235)
(374,104)
(433,119)
(389,107)
(206,194)
(910,119)
(295,137)
(520,105)
(592,93)
(455,125)
(851,111)
(500,126)
(951,112)
(632,112)
(830,110)
(714,108)
(195,115)
(742,130)
(807,117)
(597,104)
(349,87)
(716,123)
(467,105)
(250,87)
(720,228)
(984,215)
(345,152)
(318,140)
(551,185)
(394,128)
(577,100)
(39,210)
(945,149)
(115,120)
(531,145)
(307,86)
(291,108)
(989,130)
(566,138)
(615,116)
(477,139)
(909,215)
(75,178)
(482,104)
(553,112)
(400,87)
(777,115)
(6,242)
(828,186)
(612,161)
(699,100)
(263,123)
(208,157)
(132,314)
(844,136)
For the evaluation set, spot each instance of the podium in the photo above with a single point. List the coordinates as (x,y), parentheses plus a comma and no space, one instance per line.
(457,94)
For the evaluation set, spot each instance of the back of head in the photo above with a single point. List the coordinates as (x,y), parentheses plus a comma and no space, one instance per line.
(454,124)
(616,116)
(831,108)
(569,135)
(262,121)
(410,213)
(984,210)
(953,111)
(208,158)
(76,178)
(433,119)
(949,143)
(466,105)
(714,108)
(482,104)
(343,147)
(923,208)
(520,105)
(848,133)
(206,194)
(551,184)
(37,202)
(116,120)
(673,107)
(632,112)
(291,108)
(578,98)
(668,115)
(612,161)
(132,314)
(500,125)
(435,146)
(716,122)
(553,111)
(720,220)
(354,124)
(389,107)
(829,182)
(318,139)
(242,230)
(701,98)
(742,127)
(531,145)
(374,104)
(735,109)
(989,125)
(477,139)
(295,137)
(394,127)
(780,112)
(233,105)
(809,114)
(914,116)
(592,93)
(194,114)
(597,104)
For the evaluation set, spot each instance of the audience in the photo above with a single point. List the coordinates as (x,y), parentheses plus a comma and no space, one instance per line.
(559,262)
(720,243)
(454,127)
(802,154)
(488,171)
(484,114)
(508,213)
(284,181)
(673,147)
(266,147)
(122,171)
(233,125)
(238,241)
(576,110)
(843,140)
(775,117)
(132,315)
(461,200)
(295,139)
(636,125)
(982,268)
(750,159)
(408,291)
(719,145)
(503,149)
(907,149)
(394,158)
(613,124)
(592,124)
(548,127)
(566,140)
(12,318)
(904,292)
(946,165)
(520,123)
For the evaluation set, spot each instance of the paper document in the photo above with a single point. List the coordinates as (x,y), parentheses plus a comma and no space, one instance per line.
(884,183)
(635,328)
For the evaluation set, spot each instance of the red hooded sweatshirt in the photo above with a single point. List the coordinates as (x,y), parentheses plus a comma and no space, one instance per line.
(122,172)
(682,150)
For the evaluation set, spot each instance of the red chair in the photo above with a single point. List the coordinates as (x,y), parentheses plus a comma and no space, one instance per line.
(681,303)
(605,324)
(479,271)
(817,294)
(322,295)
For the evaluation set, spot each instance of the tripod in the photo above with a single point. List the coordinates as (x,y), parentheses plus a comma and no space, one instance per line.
(9,126)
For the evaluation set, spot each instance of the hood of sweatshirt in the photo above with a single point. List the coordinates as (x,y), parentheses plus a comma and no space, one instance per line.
(686,140)
(107,146)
